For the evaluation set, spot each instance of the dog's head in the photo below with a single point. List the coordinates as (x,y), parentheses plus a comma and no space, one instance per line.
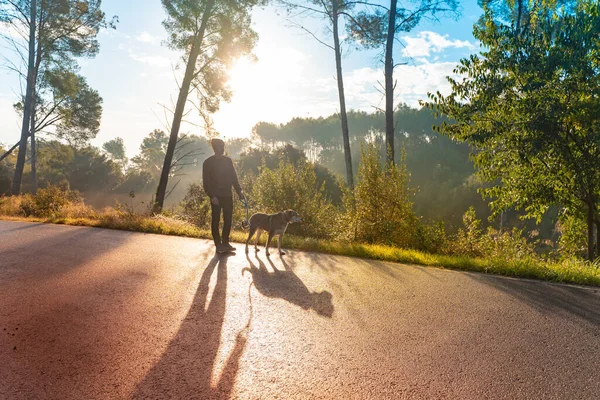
(292,216)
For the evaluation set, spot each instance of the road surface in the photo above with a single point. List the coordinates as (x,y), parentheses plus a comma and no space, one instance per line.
(98,314)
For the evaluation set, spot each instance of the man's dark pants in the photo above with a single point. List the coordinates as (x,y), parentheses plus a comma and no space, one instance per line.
(225,204)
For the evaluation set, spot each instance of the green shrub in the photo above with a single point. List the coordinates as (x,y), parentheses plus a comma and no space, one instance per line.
(472,241)
(468,239)
(382,211)
(47,202)
(289,187)
(573,236)
(195,206)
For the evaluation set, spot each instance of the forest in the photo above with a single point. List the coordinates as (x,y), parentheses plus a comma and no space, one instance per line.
(507,164)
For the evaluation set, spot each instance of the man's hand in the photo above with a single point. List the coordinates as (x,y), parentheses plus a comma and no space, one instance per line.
(242,197)
(215,201)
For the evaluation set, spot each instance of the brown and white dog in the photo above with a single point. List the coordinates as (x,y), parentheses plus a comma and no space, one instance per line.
(274,224)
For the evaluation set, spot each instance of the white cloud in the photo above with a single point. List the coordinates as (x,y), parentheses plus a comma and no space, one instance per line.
(427,42)
(152,60)
(146,37)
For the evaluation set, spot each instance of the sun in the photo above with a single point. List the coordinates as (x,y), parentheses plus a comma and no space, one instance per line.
(264,88)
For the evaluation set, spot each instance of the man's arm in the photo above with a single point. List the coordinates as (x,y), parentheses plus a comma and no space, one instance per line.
(236,182)
(206,180)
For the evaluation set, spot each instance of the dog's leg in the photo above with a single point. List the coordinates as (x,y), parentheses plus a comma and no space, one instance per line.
(250,234)
(269,242)
(258,233)
(279,240)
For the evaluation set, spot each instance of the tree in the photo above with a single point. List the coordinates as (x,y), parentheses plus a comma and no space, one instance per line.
(115,149)
(58,33)
(334,11)
(380,27)
(530,106)
(152,153)
(211,34)
(86,169)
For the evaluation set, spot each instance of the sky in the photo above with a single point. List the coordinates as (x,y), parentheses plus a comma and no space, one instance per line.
(293,75)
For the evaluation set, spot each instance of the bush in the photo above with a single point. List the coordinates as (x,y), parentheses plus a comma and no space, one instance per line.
(195,206)
(11,205)
(289,187)
(573,236)
(380,210)
(471,241)
(48,202)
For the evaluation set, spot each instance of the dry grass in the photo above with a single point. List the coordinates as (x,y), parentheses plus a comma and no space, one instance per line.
(573,271)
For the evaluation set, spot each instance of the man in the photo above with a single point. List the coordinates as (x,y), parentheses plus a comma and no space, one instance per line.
(218,176)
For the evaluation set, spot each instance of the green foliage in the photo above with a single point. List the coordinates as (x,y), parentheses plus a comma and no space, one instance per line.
(86,168)
(383,208)
(295,187)
(473,241)
(65,30)
(572,241)
(530,106)
(195,206)
(226,35)
(251,162)
(67,102)
(152,153)
(49,201)
(115,149)
(441,171)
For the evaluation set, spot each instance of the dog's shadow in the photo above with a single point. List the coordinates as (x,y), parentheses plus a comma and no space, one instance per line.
(286,285)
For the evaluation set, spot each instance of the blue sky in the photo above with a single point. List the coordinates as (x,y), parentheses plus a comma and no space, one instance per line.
(294,74)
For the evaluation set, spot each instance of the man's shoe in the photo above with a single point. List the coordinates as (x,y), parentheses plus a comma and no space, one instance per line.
(222,249)
(229,247)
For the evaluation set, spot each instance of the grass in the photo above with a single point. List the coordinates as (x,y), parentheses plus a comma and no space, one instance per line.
(575,271)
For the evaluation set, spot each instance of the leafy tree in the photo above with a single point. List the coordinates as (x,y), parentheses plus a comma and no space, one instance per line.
(85,169)
(252,162)
(58,33)
(115,149)
(152,153)
(530,106)
(380,27)
(211,34)
(335,12)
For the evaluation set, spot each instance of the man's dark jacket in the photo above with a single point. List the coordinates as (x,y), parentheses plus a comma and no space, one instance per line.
(219,176)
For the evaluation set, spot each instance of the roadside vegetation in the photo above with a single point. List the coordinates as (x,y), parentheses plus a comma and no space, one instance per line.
(519,126)
(375,221)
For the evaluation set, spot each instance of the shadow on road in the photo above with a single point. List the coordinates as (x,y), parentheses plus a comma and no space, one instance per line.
(573,302)
(185,368)
(51,250)
(27,225)
(287,286)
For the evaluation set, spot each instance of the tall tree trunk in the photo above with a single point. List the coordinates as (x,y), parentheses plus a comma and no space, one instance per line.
(27,109)
(33,149)
(180,107)
(340,81)
(389,84)
(590,226)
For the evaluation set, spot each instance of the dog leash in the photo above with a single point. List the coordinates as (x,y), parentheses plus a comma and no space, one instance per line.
(246,223)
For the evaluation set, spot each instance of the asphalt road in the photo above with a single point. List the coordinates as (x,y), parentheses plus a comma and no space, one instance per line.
(92,314)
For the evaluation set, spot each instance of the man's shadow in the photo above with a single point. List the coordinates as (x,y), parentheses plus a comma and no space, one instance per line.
(186,366)
(286,285)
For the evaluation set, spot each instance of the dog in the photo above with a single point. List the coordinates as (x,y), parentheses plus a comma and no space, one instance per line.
(274,224)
